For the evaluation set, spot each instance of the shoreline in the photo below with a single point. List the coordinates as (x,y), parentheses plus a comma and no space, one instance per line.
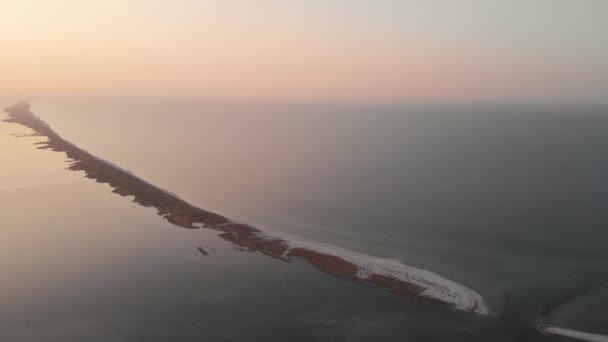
(551,330)
(386,274)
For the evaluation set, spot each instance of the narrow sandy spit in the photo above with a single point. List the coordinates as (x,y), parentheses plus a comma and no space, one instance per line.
(386,274)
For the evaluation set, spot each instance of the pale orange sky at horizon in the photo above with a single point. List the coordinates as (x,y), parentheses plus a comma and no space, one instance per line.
(385,50)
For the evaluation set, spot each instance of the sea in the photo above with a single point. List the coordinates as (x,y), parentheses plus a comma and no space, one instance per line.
(507,199)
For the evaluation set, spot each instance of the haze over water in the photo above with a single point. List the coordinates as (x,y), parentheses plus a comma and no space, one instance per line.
(505,199)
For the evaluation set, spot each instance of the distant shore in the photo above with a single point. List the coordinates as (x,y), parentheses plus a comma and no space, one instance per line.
(386,274)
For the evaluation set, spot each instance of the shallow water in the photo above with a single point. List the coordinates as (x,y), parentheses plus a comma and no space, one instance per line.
(504,199)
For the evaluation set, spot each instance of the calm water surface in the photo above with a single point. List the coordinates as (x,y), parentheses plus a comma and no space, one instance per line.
(508,200)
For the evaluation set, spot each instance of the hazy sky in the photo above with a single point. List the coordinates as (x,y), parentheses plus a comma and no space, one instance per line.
(315,49)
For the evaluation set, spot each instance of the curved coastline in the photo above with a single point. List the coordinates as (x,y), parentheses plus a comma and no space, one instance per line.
(387,274)
(550,330)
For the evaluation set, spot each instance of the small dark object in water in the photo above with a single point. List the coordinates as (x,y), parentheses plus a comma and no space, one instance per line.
(203,252)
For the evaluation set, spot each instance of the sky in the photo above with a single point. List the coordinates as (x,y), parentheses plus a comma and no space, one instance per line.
(381,50)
